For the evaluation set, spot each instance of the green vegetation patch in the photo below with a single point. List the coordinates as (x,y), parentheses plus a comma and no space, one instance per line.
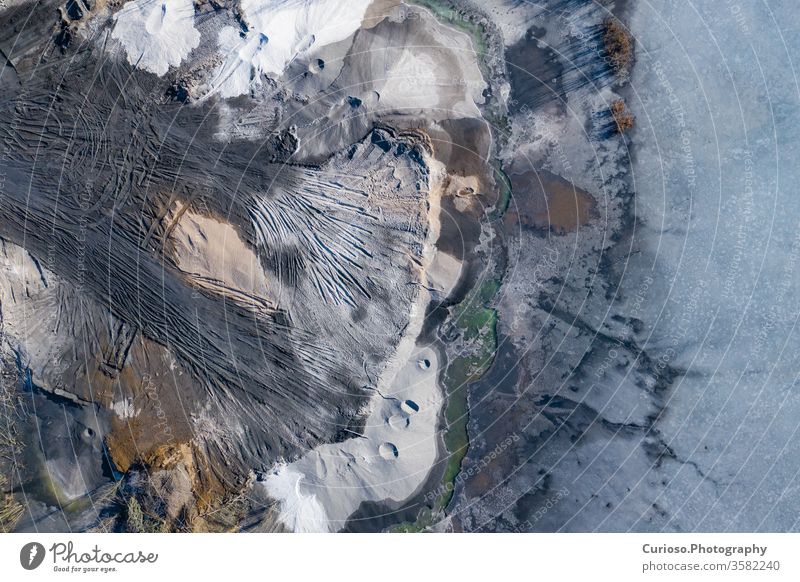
(504,198)
(478,325)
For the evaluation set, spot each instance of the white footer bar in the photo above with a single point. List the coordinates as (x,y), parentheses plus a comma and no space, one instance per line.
(406,557)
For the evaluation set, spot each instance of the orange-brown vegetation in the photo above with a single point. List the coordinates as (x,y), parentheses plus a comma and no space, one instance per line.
(618,45)
(622,117)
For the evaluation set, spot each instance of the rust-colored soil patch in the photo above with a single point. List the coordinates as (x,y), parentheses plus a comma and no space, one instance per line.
(548,202)
(149,411)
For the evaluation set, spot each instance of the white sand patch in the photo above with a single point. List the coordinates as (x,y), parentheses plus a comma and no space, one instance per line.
(213,256)
(391,460)
(419,81)
(433,71)
(70,483)
(412,79)
(300,512)
(443,274)
(242,55)
(280,31)
(156,34)
(29,308)
(321,490)
(124,408)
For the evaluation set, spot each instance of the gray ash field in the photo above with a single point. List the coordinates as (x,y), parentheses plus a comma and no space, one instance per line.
(447,265)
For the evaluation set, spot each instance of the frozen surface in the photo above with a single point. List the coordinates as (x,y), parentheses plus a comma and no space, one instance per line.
(654,379)
(716,161)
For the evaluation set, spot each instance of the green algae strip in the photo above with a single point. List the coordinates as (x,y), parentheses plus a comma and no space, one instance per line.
(504,198)
(476,321)
(447,14)
(478,325)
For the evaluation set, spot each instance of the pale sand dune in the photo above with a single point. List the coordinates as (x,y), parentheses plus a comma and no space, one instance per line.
(443,274)
(213,256)
(419,79)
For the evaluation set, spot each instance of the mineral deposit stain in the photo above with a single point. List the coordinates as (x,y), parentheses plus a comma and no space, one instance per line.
(548,202)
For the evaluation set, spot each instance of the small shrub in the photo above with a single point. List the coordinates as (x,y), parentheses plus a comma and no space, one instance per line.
(10,509)
(622,117)
(618,45)
(137,521)
(134,522)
